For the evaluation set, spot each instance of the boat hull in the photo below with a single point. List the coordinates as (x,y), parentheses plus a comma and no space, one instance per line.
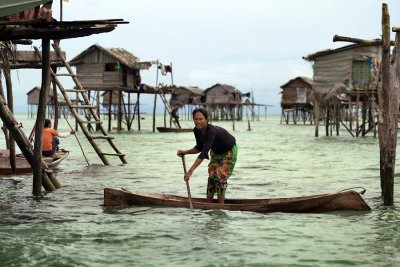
(174,130)
(347,200)
(23,166)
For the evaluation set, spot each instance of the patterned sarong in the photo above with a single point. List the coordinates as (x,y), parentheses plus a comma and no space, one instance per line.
(219,170)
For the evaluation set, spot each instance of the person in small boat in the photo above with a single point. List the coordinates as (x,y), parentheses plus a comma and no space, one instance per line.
(223,151)
(50,140)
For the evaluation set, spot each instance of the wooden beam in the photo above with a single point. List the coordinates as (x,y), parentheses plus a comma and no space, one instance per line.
(51,33)
(338,38)
(32,57)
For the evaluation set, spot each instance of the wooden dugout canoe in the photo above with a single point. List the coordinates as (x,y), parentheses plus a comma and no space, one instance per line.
(22,165)
(346,200)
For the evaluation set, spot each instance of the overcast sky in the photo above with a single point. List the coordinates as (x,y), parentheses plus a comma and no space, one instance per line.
(254,45)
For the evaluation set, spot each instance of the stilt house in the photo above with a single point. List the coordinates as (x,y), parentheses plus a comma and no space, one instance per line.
(33,102)
(106,69)
(223,102)
(345,83)
(110,69)
(185,98)
(296,99)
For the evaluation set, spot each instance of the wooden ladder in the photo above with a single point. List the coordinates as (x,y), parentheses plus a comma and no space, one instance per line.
(167,106)
(87,106)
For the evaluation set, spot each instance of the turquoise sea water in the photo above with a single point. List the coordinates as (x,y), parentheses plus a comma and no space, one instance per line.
(70,227)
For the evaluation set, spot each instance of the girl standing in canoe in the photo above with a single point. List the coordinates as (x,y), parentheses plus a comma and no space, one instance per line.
(223,152)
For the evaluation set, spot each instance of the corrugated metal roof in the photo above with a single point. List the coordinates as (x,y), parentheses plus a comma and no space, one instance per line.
(313,56)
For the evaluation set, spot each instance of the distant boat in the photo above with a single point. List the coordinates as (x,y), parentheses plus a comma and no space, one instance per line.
(174,130)
(22,165)
(340,201)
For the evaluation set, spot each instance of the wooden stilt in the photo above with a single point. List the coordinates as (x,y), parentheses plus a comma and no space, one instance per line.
(337,118)
(40,178)
(316,118)
(109,110)
(97,108)
(154,112)
(119,118)
(10,102)
(327,121)
(165,116)
(357,114)
(41,115)
(389,108)
(138,110)
(55,101)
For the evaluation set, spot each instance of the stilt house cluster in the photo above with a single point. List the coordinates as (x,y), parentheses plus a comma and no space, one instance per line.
(21,22)
(345,87)
(342,92)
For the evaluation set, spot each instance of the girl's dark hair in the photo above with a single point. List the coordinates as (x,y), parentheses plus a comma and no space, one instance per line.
(47,123)
(202,111)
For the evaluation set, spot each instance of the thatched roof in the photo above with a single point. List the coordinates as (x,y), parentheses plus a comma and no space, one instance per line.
(191,89)
(225,87)
(123,56)
(304,79)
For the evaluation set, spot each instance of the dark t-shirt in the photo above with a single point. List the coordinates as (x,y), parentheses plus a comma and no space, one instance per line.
(216,138)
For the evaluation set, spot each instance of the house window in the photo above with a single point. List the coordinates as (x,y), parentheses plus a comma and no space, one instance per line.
(301,95)
(112,67)
(361,74)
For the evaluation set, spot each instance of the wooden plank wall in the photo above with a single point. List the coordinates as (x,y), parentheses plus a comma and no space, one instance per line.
(337,67)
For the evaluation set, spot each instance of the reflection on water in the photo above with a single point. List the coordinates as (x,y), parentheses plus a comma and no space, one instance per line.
(218,219)
(386,238)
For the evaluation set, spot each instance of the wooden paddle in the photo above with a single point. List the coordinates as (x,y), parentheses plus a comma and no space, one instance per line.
(187,183)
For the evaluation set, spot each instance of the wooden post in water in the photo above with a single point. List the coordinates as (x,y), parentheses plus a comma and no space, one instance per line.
(316,109)
(41,115)
(154,112)
(327,121)
(10,102)
(388,103)
(109,110)
(119,117)
(389,108)
(138,110)
(4,128)
(55,100)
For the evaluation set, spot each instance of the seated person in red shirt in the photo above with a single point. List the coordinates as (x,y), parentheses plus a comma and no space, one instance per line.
(50,140)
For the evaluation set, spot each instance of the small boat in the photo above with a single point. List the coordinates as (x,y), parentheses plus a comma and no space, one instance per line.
(174,130)
(59,156)
(22,165)
(340,201)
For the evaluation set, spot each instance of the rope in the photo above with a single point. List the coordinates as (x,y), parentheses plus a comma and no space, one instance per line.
(79,143)
(351,188)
